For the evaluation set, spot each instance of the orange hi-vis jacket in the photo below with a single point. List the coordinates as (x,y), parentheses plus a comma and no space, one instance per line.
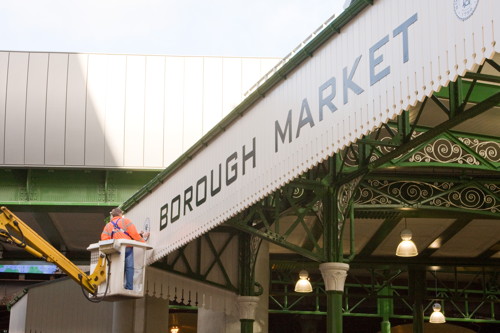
(124,229)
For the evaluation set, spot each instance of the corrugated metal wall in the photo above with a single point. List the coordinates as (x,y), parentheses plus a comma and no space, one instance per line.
(116,111)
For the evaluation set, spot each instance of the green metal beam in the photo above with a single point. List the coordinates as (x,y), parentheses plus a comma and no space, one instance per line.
(492,250)
(472,302)
(380,235)
(446,235)
(277,239)
(480,90)
(483,77)
(70,187)
(394,261)
(427,136)
(189,261)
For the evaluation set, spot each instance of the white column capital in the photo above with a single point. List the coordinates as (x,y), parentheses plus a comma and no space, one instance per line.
(247,306)
(334,275)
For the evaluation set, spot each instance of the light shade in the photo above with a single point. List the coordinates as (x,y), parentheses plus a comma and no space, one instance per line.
(406,248)
(437,317)
(303,285)
(174,329)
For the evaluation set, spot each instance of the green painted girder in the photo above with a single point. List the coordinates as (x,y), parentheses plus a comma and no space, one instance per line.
(377,161)
(495,248)
(448,234)
(192,263)
(472,91)
(277,239)
(451,196)
(453,150)
(471,302)
(450,149)
(380,235)
(295,205)
(459,94)
(70,187)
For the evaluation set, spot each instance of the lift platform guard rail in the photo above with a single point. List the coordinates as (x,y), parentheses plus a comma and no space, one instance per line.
(105,255)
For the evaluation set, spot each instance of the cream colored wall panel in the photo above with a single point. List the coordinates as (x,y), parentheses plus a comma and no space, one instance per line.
(174,108)
(35,109)
(75,110)
(4,66)
(95,116)
(56,108)
(15,115)
(71,313)
(114,125)
(212,92)
(250,73)
(134,111)
(193,103)
(231,84)
(154,111)
(17,318)
(266,64)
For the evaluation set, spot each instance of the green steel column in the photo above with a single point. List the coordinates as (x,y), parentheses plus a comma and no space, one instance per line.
(385,308)
(334,311)
(246,325)
(246,283)
(333,298)
(336,205)
(417,292)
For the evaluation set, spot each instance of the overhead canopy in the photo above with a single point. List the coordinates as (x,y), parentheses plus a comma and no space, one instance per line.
(387,58)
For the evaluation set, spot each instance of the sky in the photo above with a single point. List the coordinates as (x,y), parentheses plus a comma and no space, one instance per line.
(253,28)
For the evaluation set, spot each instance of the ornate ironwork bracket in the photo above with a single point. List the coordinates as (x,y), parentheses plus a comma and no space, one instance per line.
(480,196)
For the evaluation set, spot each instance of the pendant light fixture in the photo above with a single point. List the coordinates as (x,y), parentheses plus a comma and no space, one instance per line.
(437,317)
(406,248)
(303,285)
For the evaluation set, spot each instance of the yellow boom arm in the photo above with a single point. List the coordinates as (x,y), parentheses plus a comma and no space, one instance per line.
(16,232)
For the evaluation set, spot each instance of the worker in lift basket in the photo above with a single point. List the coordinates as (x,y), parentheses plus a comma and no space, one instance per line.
(121,228)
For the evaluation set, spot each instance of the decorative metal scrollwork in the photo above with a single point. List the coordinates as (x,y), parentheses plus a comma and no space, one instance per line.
(254,251)
(482,197)
(489,150)
(350,158)
(472,198)
(297,192)
(344,196)
(444,151)
(449,149)
(384,192)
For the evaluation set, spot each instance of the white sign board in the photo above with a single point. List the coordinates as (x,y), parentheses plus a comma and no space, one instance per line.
(389,57)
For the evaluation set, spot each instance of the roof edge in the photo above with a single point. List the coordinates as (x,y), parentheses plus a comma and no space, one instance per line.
(280,74)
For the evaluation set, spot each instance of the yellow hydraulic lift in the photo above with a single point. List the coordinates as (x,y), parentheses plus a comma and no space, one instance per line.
(14,231)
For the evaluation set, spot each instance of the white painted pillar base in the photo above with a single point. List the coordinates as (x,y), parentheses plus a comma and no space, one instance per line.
(334,275)
(247,306)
